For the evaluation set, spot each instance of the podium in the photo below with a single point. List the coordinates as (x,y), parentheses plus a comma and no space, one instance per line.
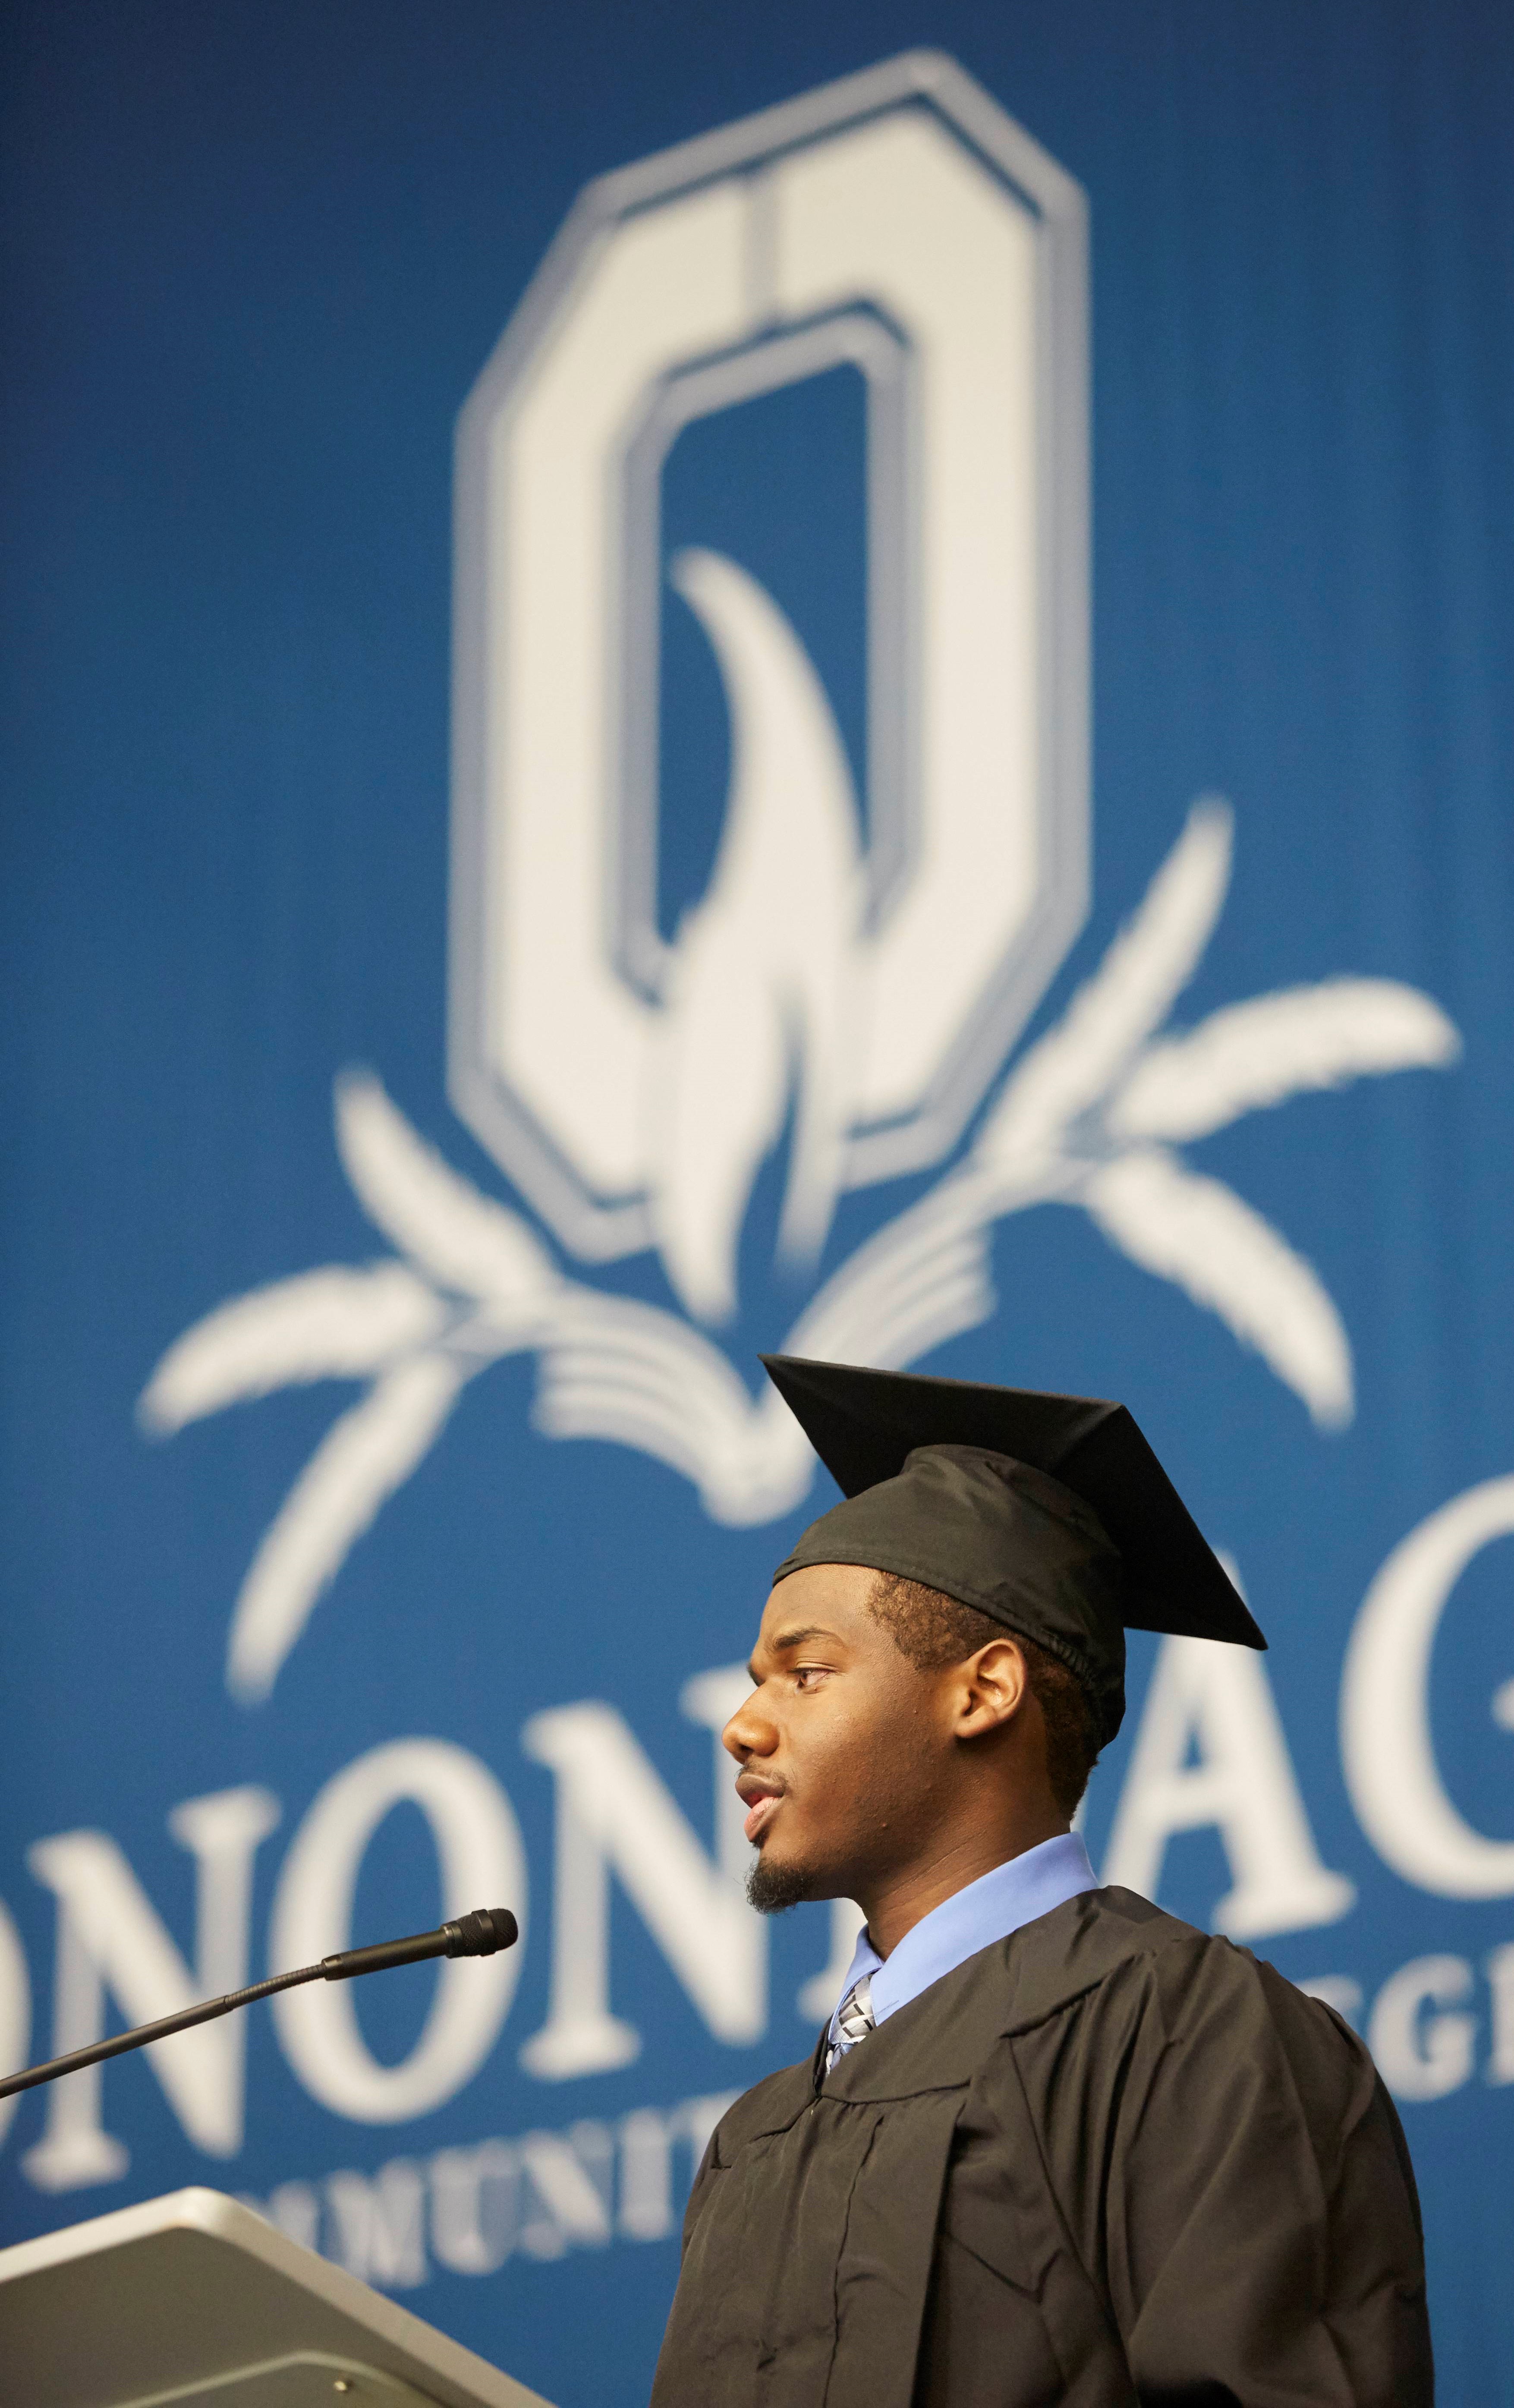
(193,2302)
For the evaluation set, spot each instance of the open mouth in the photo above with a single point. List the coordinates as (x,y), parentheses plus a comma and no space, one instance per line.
(762,1797)
(759,1815)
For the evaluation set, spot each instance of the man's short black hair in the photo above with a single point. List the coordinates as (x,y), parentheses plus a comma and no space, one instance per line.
(932,1630)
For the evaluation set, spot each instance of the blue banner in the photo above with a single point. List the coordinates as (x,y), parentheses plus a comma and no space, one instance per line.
(678,687)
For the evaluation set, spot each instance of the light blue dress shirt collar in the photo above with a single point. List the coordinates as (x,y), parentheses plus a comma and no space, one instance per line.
(989,1909)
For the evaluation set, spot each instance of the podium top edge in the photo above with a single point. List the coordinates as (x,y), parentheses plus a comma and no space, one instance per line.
(196,2209)
(223,2220)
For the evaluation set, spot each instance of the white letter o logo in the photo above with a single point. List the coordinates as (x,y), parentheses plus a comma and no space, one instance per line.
(900,223)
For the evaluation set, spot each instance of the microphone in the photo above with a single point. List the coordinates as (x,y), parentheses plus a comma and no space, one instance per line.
(483,1933)
(479,1934)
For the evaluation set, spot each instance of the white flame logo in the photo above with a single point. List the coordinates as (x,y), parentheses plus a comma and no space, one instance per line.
(762,972)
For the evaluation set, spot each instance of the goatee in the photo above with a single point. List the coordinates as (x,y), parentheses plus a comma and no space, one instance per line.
(772,1889)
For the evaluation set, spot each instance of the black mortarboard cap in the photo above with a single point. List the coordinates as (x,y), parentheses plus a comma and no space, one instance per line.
(1051,1514)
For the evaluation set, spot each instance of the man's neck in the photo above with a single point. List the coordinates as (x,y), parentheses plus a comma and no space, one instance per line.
(906,1897)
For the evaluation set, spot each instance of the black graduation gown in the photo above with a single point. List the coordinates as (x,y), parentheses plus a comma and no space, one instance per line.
(1109,2160)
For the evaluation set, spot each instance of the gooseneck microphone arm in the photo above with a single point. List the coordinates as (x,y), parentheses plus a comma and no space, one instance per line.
(480,1934)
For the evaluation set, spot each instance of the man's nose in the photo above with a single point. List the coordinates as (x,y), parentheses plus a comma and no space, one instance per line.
(749,1731)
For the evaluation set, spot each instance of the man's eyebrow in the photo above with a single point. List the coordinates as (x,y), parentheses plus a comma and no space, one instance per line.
(786,1640)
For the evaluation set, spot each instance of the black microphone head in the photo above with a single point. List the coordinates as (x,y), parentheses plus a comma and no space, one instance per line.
(481,1933)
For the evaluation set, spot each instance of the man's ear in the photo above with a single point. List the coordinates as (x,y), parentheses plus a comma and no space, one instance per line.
(993,1685)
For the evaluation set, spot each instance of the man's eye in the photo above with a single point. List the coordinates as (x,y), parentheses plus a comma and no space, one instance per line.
(808,1676)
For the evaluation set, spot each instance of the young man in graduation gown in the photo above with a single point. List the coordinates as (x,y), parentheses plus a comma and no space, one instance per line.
(1054,2146)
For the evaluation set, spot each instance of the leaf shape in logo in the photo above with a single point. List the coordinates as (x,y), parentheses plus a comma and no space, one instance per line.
(465,1241)
(1074,1065)
(920,1280)
(1255,1055)
(325,1325)
(1199,1234)
(364,1457)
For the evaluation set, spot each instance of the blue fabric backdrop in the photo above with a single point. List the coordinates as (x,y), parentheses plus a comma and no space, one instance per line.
(255,263)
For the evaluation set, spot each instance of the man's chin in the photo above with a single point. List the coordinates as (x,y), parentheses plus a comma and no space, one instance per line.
(773,1886)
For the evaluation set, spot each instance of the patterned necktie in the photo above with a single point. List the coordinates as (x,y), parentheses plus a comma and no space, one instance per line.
(853,2021)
